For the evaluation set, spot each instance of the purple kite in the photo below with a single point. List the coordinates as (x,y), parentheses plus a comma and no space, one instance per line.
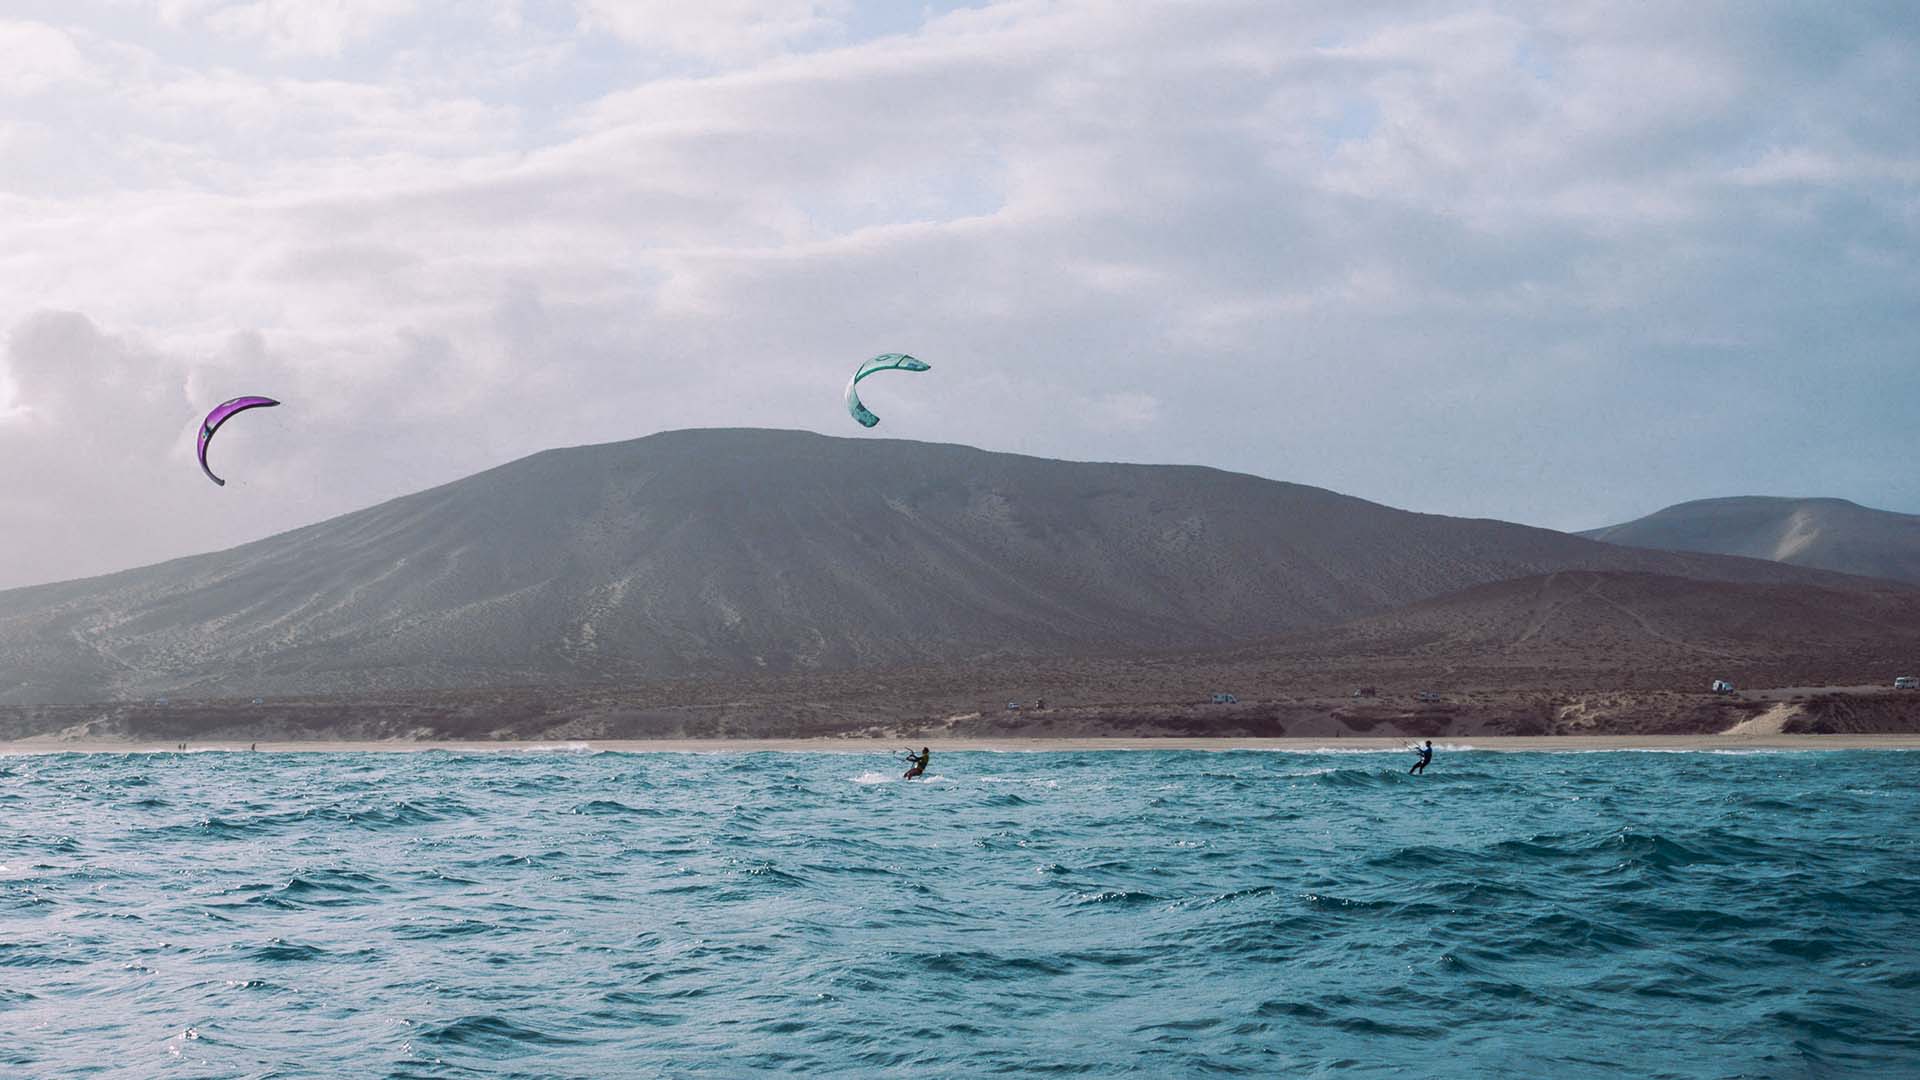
(219,416)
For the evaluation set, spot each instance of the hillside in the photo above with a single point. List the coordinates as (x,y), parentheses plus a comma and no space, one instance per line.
(1621,630)
(1575,652)
(1829,534)
(710,552)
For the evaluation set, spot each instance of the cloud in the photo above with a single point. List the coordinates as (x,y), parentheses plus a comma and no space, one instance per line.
(39,58)
(719,30)
(1558,266)
(1124,411)
(288,27)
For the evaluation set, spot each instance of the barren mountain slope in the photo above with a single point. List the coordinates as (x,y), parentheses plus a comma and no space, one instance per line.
(715,551)
(1575,652)
(1640,629)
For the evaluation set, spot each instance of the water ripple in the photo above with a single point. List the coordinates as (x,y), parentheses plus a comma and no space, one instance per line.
(572,914)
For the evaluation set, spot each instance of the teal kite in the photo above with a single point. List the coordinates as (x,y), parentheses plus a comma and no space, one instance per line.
(884,362)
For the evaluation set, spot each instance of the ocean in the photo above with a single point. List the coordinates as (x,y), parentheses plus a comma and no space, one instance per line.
(555,913)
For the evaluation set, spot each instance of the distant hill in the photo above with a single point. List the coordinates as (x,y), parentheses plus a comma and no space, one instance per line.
(1830,534)
(708,552)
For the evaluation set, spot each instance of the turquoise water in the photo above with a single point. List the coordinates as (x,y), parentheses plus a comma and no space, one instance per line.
(557,914)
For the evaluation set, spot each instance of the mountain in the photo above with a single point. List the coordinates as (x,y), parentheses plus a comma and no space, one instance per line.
(708,552)
(1829,534)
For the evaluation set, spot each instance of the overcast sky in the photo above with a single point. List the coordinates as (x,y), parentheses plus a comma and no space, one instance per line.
(1558,263)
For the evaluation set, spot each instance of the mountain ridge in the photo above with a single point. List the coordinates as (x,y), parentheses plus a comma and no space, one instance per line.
(1822,533)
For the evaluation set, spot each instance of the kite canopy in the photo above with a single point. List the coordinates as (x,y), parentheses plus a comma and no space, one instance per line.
(218,416)
(892,361)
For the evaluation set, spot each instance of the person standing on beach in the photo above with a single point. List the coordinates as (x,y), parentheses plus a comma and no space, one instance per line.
(1426,758)
(919,763)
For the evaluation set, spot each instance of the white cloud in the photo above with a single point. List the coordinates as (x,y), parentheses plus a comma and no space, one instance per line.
(1123,411)
(288,27)
(720,30)
(36,58)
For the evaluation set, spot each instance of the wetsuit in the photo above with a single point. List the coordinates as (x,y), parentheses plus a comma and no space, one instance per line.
(1426,757)
(919,765)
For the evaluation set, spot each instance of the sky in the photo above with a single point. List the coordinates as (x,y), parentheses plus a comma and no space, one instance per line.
(1562,264)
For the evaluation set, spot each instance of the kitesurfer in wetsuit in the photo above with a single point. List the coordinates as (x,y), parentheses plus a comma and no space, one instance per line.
(1426,758)
(919,761)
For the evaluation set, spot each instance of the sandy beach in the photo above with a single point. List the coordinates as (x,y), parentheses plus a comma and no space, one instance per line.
(863,746)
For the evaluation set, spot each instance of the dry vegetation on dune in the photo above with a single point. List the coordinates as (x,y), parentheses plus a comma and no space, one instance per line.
(1081,700)
(1854,714)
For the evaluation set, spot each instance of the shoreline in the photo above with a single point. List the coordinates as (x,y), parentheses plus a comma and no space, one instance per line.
(892,746)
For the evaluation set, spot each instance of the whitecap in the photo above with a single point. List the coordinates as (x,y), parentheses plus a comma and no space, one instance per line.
(1748,752)
(885,778)
(1347,750)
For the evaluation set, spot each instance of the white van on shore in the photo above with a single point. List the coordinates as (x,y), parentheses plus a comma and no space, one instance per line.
(1907,682)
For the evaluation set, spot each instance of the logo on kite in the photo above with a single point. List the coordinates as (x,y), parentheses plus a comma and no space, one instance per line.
(218,416)
(892,361)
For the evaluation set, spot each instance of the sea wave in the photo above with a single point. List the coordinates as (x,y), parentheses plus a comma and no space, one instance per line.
(1153,913)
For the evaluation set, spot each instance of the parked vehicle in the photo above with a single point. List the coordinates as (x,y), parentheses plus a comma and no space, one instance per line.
(1722,686)
(1366,691)
(1907,682)
(1428,695)
(1225,699)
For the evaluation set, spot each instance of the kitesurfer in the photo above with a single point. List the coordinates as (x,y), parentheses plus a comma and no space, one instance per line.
(1426,758)
(918,763)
